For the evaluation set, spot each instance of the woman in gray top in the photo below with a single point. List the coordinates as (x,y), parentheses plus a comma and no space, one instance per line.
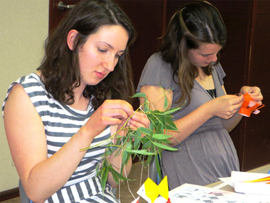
(187,71)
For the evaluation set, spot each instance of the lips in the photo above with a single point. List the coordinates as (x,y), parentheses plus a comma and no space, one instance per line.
(100,75)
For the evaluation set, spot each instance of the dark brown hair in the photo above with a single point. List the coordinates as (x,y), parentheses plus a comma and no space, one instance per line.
(193,25)
(60,67)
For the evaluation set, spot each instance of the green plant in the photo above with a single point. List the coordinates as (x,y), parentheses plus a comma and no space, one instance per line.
(140,142)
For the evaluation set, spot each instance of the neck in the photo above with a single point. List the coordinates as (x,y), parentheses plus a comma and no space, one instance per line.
(80,103)
(206,81)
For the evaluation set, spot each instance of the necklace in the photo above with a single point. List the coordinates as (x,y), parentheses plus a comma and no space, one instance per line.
(208,84)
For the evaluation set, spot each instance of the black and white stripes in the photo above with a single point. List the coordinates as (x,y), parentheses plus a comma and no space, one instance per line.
(61,122)
(85,191)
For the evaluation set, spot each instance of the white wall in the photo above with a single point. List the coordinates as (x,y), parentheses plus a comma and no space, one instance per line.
(23,30)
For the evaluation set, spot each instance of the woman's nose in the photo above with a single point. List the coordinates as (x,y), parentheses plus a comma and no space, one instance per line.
(213,58)
(109,63)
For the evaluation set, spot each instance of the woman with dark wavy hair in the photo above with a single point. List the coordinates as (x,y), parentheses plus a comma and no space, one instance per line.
(187,72)
(77,98)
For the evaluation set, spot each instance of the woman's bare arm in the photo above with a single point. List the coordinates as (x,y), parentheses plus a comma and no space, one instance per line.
(224,107)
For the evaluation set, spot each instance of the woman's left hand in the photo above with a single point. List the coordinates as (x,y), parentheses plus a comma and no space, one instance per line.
(254,92)
(137,120)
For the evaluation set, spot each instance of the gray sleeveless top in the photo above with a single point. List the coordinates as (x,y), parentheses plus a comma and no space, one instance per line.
(208,153)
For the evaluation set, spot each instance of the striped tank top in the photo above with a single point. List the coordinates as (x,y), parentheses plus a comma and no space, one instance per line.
(60,123)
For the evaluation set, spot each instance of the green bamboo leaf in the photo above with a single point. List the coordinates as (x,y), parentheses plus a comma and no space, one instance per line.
(160,120)
(172,110)
(149,159)
(138,134)
(166,103)
(166,141)
(147,145)
(143,152)
(104,177)
(137,142)
(125,156)
(114,174)
(171,125)
(164,146)
(161,136)
(159,129)
(129,144)
(158,167)
(145,131)
(118,176)
(159,152)
(140,94)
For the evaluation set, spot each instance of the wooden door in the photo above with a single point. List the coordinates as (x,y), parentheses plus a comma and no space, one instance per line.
(245,60)
(57,11)
(147,17)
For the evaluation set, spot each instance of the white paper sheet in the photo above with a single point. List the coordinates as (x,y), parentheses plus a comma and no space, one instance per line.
(238,181)
(188,193)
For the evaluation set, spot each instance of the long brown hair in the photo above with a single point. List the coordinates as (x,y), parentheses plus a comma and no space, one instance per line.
(60,66)
(191,26)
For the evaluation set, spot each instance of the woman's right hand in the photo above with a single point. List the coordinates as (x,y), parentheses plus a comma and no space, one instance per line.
(226,106)
(111,112)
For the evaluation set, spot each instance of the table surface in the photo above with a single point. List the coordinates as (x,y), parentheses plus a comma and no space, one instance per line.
(262,169)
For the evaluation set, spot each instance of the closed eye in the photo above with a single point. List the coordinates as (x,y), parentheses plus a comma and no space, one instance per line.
(102,50)
(119,54)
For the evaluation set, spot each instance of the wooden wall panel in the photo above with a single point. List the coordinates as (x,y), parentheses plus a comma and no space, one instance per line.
(245,60)
(257,139)
(147,17)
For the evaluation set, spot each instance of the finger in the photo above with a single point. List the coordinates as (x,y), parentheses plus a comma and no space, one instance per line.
(139,115)
(236,99)
(112,121)
(257,98)
(259,102)
(141,118)
(112,116)
(119,104)
(136,124)
(254,90)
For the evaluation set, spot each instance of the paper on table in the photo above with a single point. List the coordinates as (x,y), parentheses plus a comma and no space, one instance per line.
(189,193)
(238,181)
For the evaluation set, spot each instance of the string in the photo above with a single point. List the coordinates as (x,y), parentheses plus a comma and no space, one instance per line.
(141,176)
(119,195)
(142,172)
(128,183)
